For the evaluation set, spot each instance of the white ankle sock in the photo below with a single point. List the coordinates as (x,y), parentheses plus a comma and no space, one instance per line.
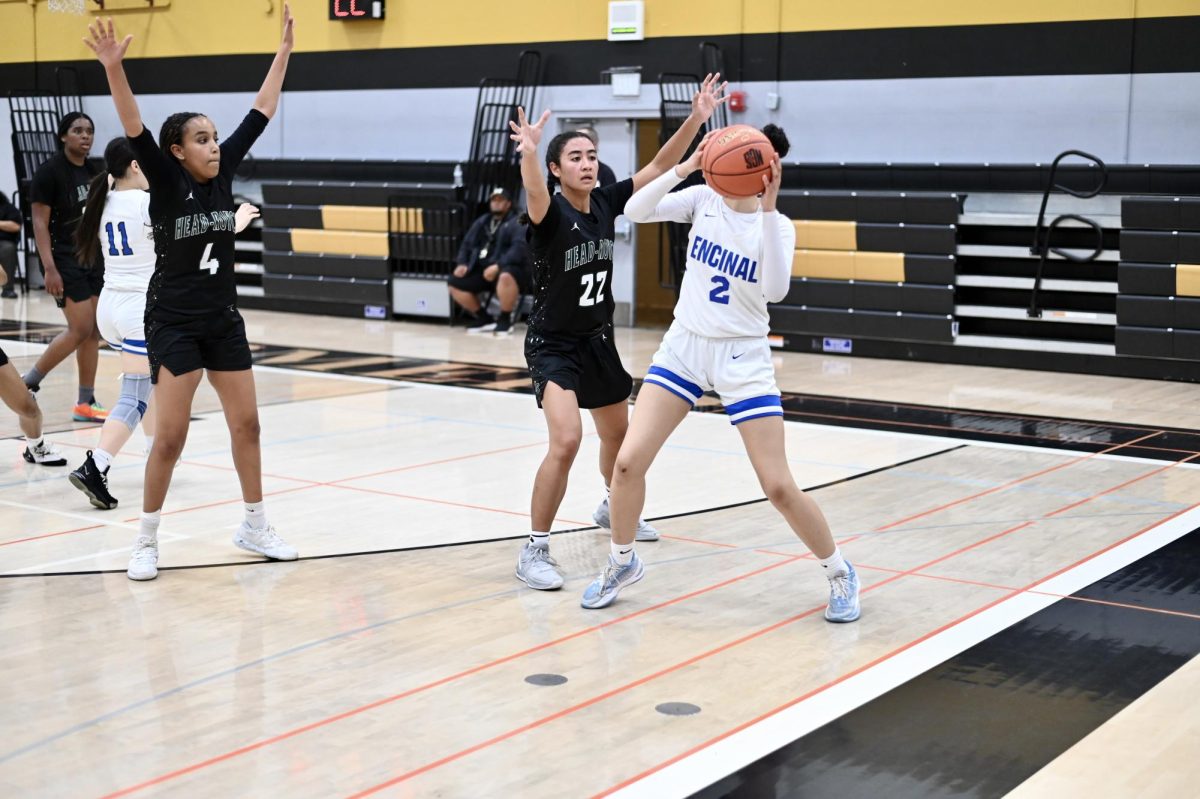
(103,460)
(150,524)
(834,564)
(621,553)
(256,516)
(539,539)
(34,443)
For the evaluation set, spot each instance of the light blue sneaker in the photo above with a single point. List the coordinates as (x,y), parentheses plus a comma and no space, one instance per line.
(645,532)
(604,589)
(843,597)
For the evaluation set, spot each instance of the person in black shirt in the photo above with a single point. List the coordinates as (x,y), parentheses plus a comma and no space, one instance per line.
(57,194)
(492,256)
(192,321)
(569,345)
(10,237)
(604,174)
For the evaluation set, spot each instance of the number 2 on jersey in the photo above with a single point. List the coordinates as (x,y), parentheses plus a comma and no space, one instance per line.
(720,291)
(112,241)
(211,264)
(590,281)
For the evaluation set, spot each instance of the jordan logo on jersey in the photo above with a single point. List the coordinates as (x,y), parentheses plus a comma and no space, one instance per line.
(725,261)
(199,224)
(584,254)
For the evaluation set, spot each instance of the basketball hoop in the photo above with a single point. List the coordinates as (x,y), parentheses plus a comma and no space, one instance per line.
(67,6)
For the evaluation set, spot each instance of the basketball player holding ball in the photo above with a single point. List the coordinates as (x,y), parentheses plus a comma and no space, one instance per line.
(738,259)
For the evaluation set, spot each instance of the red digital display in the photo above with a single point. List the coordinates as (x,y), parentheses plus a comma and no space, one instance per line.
(356,9)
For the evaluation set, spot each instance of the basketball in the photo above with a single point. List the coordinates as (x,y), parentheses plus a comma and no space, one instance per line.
(735,161)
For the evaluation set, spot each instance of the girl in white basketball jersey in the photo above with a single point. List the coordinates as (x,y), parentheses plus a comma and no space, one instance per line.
(116,227)
(739,258)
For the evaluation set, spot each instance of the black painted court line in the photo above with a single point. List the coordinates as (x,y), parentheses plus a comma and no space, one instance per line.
(983,722)
(453,544)
(1171,444)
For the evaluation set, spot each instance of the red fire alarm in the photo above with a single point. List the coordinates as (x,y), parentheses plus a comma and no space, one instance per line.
(737,101)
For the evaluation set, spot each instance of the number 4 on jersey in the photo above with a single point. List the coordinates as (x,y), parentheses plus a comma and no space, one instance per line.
(211,264)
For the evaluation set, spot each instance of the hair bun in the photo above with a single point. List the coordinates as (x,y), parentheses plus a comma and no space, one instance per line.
(778,138)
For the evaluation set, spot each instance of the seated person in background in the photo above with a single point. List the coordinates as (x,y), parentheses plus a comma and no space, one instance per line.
(10,236)
(604,174)
(493,255)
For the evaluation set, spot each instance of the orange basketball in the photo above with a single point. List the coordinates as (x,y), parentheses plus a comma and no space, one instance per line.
(735,161)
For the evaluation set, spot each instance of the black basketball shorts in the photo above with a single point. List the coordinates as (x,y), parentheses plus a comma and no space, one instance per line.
(216,341)
(588,365)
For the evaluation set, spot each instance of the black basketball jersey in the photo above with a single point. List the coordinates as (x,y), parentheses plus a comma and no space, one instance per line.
(64,187)
(193,226)
(572,262)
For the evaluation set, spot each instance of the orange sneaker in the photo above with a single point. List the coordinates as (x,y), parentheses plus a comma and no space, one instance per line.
(89,413)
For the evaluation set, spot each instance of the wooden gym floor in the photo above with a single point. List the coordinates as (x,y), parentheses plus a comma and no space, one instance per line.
(1025,541)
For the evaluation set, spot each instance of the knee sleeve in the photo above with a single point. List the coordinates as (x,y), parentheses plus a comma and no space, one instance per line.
(135,393)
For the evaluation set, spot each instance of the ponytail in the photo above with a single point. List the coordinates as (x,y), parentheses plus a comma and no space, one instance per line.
(118,156)
(87,234)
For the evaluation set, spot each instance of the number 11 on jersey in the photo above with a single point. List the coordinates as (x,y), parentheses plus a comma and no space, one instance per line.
(211,264)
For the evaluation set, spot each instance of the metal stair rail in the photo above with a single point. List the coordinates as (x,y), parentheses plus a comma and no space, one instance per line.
(1043,233)
(493,160)
(34,122)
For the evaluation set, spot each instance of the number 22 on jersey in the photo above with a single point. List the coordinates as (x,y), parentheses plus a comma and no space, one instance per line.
(589,282)
(211,264)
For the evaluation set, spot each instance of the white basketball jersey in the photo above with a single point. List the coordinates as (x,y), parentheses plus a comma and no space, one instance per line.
(722,294)
(126,241)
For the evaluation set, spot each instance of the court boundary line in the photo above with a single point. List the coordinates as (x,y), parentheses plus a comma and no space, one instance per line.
(160,779)
(449,544)
(757,737)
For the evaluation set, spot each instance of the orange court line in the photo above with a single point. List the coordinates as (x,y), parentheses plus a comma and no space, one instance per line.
(436,683)
(964,581)
(729,645)
(1010,484)
(355,711)
(905,647)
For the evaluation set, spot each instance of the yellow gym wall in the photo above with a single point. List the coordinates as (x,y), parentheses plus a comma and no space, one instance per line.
(217,27)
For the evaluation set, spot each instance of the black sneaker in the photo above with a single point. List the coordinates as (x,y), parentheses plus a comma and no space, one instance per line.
(503,325)
(481,322)
(90,480)
(8,293)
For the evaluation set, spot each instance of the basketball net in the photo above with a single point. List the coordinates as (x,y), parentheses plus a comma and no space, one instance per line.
(66,6)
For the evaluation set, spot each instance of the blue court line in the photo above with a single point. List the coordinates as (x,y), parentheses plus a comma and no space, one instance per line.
(791,541)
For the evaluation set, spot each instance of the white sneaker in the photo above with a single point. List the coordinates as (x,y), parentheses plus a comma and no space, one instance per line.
(45,454)
(537,569)
(264,542)
(143,563)
(645,530)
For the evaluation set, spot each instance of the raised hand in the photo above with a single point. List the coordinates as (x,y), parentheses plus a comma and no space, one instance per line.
(711,95)
(289,39)
(771,185)
(696,158)
(103,41)
(528,136)
(245,214)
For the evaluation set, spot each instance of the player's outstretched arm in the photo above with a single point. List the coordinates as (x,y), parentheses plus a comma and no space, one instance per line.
(102,40)
(528,136)
(267,101)
(704,103)
(779,238)
(654,202)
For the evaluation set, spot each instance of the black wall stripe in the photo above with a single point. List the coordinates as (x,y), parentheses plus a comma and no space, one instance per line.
(985,721)
(1053,48)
